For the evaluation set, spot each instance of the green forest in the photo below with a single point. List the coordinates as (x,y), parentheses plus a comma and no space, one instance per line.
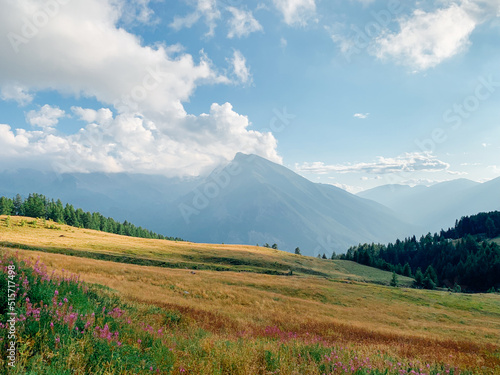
(38,206)
(463,258)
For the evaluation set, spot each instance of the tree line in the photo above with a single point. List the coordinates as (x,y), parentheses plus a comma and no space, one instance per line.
(484,224)
(38,206)
(462,257)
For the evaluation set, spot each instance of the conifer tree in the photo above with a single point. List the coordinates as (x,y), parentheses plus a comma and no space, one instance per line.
(6,206)
(18,205)
(419,277)
(394,280)
(407,270)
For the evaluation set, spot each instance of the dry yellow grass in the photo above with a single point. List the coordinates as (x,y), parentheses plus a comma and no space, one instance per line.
(188,253)
(408,322)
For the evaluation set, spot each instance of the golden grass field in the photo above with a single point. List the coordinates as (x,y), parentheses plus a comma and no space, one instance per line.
(340,301)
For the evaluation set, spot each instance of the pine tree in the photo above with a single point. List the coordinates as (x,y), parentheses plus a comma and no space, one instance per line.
(18,205)
(34,206)
(6,206)
(419,277)
(324,256)
(297,251)
(394,280)
(407,270)
(431,274)
(428,283)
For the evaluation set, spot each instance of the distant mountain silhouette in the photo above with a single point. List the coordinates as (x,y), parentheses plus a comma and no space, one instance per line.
(438,206)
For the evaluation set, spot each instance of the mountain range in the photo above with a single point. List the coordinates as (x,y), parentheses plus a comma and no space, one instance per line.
(254,201)
(438,206)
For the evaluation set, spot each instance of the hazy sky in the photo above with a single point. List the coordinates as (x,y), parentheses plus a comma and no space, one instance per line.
(354,93)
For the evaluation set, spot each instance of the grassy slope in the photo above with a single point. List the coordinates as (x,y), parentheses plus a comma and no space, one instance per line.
(406,322)
(106,246)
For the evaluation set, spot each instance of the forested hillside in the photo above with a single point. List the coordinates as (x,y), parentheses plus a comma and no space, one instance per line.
(462,257)
(38,206)
(483,224)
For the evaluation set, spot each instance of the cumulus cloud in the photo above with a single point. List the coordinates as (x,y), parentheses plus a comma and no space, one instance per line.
(409,162)
(132,143)
(82,52)
(101,116)
(242,23)
(95,58)
(426,39)
(16,93)
(296,12)
(10,141)
(240,68)
(46,117)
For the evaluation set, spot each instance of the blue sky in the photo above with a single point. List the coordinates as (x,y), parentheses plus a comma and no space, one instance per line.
(354,93)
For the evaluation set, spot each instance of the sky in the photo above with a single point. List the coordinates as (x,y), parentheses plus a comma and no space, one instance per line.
(354,93)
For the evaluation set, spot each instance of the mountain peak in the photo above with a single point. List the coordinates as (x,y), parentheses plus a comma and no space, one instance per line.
(240,157)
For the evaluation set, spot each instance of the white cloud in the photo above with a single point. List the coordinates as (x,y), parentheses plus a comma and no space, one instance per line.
(296,12)
(11,142)
(46,118)
(97,59)
(102,116)
(361,116)
(428,38)
(137,11)
(131,143)
(470,164)
(456,173)
(421,181)
(206,9)
(82,52)
(16,93)
(409,162)
(242,23)
(240,68)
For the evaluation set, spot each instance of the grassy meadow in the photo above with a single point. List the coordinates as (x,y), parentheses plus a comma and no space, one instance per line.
(154,306)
